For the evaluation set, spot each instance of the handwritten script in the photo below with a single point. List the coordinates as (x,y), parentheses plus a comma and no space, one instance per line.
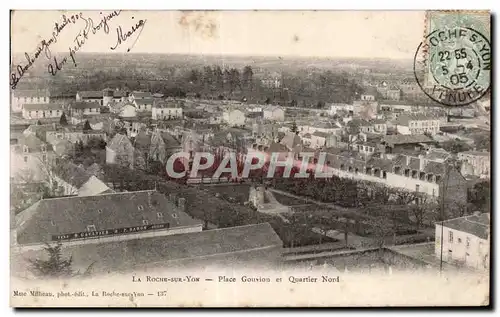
(91,27)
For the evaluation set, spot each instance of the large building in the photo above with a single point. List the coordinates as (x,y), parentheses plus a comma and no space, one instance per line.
(465,241)
(475,163)
(42,110)
(407,124)
(249,246)
(31,159)
(102,218)
(27,97)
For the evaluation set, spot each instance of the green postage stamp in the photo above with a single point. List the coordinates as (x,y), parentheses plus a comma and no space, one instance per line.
(452,65)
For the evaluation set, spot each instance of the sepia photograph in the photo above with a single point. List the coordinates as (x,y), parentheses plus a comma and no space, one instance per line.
(250,158)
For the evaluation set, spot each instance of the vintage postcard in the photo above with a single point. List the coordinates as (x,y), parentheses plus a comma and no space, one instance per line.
(250,158)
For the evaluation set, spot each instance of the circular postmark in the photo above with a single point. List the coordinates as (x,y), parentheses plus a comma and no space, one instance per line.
(453,66)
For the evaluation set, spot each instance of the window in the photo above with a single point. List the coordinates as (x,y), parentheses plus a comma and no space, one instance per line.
(145,222)
(159,214)
(459,240)
(91,228)
(450,236)
(174,215)
(26,149)
(467,242)
(99,211)
(25,159)
(140,207)
(44,157)
(53,223)
(417,188)
(433,192)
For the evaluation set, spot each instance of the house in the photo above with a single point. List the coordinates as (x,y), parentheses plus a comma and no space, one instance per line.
(234,117)
(410,89)
(63,148)
(26,97)
(320,139)
(370,94)
(90,96)
(414,174)
(475,163)
(163,145)
(365,109)
(42,110)
(464,241)
(273,113)
(292,142)
(325,127)
(438,155)
(166,110)
(73,134)
(393,93)
(123,109)
(31,159)
(379,126)
(137,95)
(237,247)
(71,179)
(113,95)
(143,104)
(120,151)
(338,107)
(399,143)
(102,218)
(80,108)
(416,123)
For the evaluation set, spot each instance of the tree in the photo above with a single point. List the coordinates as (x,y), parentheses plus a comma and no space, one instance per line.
(426,209)
(268,101)
(481,196)
(55,266)
(248,77)
(455,146)
(63,121)
(86,126)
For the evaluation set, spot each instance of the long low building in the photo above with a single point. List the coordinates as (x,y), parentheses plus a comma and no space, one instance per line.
(97,219)
(243,246)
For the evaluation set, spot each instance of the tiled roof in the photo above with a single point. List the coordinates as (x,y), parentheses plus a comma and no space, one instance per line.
(321,134)
(141,94)
(476,153)
(437,154)
(32,93)
(95,94)
(142,140)
(42,106)
(117,141)
(110,211)
(84,105)
(291,140)
(478,226)
(128,255)
(405,118)
(406,139)
(33,143)
(72,174)
(163,104)
(170,141)
(145,101)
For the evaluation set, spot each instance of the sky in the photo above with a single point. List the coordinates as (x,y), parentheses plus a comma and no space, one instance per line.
(335,34)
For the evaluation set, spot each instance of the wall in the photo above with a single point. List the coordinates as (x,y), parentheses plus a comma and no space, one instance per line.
(122,237)
(472,255)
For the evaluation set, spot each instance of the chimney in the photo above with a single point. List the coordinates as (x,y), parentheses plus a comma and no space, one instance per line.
(182,204)
(149,199)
